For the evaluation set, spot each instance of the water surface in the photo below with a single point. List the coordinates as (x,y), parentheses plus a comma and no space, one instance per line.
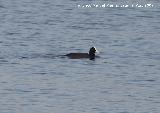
(125,79)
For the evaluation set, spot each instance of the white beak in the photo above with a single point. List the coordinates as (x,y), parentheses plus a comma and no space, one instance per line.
(96,50)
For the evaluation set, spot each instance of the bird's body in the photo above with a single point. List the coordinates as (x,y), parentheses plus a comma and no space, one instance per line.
(78,55)
(90,55)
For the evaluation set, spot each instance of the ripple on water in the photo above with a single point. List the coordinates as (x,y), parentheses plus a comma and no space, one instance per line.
(36,80)
(3,61)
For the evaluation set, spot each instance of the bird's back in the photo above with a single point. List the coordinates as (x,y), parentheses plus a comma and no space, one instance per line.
(78,55)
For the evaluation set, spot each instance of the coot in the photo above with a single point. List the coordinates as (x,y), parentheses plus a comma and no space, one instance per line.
(90,55)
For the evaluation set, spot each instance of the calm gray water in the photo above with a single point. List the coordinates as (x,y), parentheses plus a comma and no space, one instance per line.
(125,79)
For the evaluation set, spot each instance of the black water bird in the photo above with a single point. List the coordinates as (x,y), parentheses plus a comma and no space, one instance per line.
(90,55)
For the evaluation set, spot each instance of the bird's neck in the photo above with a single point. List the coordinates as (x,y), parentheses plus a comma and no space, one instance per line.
(91,56)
